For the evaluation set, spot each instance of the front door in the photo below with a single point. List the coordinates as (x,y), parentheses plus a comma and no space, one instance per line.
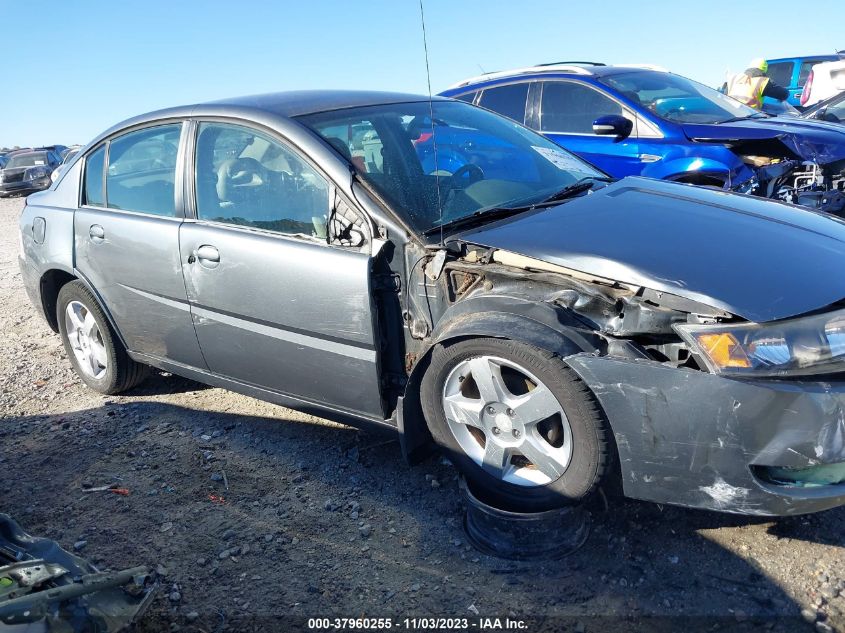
(126,241)
(275,305)
(566,115)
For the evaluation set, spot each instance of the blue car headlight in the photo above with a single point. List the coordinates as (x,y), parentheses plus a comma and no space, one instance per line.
(801,346)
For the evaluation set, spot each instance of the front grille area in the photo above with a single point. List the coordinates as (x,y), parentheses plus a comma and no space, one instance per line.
(13,175)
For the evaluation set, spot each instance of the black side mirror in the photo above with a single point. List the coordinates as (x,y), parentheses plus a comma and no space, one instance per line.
(613,125)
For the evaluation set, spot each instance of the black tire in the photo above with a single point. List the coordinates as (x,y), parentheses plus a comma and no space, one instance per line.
(590,453)
(122,373)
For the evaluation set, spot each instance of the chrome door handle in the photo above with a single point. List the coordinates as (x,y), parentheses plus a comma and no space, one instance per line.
(97,233)
(208,253)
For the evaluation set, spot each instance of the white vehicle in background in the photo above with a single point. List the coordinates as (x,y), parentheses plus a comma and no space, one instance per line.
(69,154)
(826,80)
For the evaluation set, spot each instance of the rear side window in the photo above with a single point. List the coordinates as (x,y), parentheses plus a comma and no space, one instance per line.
(571,108)
(507,100)
(804,72)
(246,178)
(93,183)
(781,73)
(142,170)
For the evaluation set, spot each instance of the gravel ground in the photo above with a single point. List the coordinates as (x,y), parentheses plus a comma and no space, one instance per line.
(321,520)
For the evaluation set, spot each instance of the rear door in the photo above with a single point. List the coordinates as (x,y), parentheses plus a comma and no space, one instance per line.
(126,240)
(785,74)
(566,114)
(274,304)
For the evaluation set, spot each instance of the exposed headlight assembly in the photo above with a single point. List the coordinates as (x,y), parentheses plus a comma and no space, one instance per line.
(802,346)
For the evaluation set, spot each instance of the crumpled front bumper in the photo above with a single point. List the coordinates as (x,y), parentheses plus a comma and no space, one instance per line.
(696,439)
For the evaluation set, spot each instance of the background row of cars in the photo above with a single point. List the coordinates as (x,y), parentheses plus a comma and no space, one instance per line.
(642,120)
(638,120)
(24,171)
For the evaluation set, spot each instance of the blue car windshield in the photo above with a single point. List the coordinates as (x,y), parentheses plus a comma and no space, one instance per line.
(677,98)
(469,160)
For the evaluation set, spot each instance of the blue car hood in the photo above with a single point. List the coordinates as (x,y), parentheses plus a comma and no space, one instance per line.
(786,137)
(755,258)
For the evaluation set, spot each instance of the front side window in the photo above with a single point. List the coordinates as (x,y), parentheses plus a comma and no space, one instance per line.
(506,100)
(571,107)
(247,178)
(142,170)
(677,98)
(465,159)
(92,188)
(781,73)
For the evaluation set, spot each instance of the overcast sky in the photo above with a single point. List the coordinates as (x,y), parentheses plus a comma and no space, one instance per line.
(72,68)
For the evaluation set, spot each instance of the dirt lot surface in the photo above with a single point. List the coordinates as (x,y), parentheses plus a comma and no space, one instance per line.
(323,520)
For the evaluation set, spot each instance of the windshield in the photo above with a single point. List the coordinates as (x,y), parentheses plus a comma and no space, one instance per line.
(69,156)
(27,160)
(678,99)
(480,160)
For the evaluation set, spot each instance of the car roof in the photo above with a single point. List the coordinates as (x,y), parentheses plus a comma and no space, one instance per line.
(286,105)
(24,152)
(561,69)
(301,102)
(826,56)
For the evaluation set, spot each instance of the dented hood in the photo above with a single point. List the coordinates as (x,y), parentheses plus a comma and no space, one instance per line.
(758,259)
(777,137)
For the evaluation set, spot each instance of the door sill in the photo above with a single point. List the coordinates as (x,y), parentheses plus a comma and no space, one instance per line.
(340,416)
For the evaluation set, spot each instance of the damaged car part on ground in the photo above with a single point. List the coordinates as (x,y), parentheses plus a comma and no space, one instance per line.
(45,588)
(643,121)
(437,269)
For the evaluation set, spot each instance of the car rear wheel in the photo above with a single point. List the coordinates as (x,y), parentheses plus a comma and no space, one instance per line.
(97,355)
(522,427)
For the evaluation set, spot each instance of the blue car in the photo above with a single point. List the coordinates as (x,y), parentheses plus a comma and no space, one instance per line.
(792,73)
(641,121)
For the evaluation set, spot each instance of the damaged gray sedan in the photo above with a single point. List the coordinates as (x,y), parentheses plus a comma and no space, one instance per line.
(434,268)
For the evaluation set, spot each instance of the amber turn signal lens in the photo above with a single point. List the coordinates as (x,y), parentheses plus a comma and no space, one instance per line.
(723,349)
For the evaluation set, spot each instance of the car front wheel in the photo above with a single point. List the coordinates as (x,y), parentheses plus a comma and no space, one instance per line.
(524,430)
(97,355)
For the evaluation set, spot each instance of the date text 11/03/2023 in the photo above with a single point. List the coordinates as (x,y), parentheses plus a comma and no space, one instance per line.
(417,624)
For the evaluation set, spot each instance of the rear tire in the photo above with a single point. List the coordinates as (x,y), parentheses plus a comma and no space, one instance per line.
(95,352)
(530,436)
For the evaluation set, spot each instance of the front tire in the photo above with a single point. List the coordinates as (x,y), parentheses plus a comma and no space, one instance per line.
(95,352)
(520,425)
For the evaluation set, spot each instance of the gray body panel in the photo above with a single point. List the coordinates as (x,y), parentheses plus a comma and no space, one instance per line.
(285,314)
(136,271)
(696,243)
(689,438)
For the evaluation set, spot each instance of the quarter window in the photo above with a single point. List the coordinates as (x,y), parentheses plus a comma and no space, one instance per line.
(507,100)
(468,97)
(571,107)
(142,170)
(246,178)
(93,187)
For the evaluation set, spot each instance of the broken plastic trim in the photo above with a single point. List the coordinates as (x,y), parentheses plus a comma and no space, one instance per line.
(821,475)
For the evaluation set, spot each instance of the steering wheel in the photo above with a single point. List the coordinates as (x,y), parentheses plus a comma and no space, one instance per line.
(466,175)
(239,172)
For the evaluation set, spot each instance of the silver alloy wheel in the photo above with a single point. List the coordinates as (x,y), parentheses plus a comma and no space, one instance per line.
(523,438)
(86,341)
